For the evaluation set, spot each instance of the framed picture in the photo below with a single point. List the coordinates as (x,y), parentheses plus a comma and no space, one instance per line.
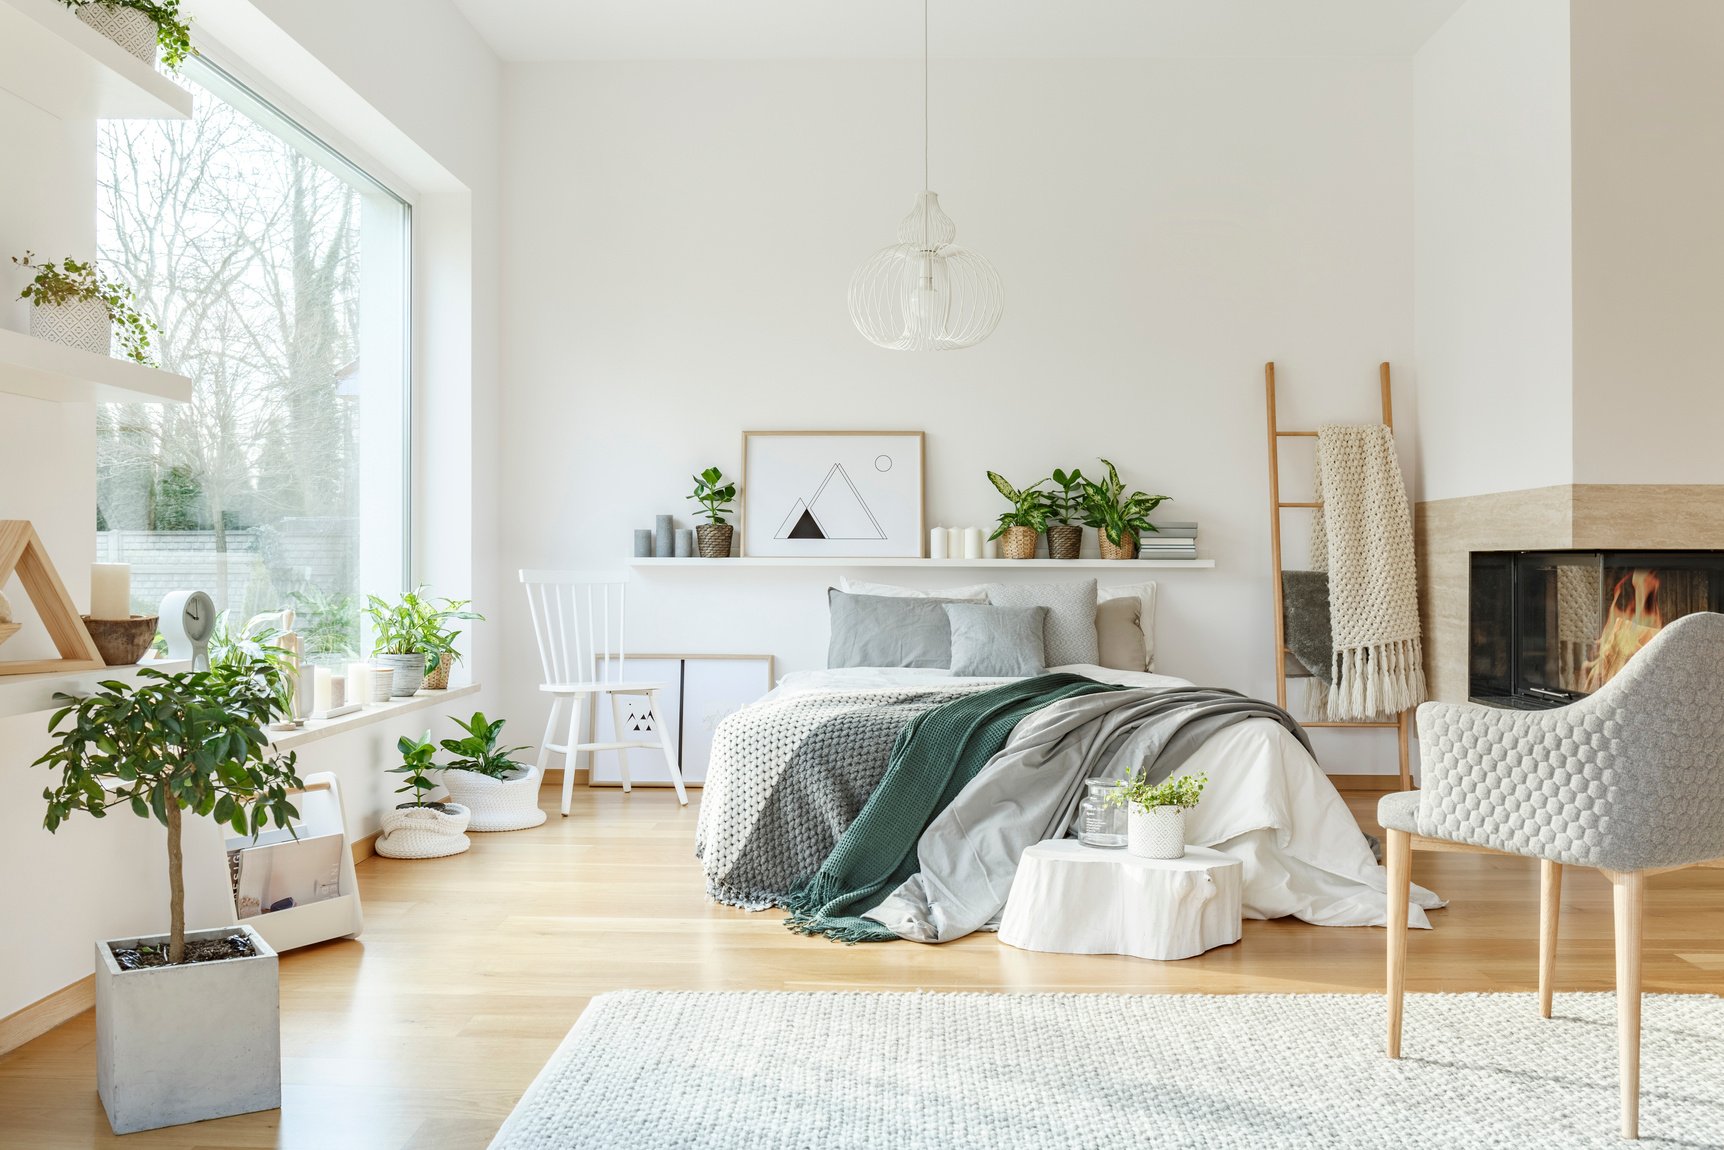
(700,691)
(833,494)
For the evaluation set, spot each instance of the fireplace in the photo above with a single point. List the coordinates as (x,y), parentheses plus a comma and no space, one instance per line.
(1549,627)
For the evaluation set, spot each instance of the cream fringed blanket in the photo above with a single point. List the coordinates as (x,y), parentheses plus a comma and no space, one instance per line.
(1363,537)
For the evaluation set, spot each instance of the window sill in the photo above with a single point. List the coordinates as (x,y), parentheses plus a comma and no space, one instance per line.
(316,730)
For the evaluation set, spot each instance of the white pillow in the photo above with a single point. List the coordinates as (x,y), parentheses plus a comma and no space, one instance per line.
(1146,593)
(975,594)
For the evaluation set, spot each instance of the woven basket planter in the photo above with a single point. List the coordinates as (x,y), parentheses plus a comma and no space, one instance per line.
(83,324)
(127,27)
(1064,541)
(437,678)
(507,804)
(1127,548)
(1018,543)
(714,540)
(412,832)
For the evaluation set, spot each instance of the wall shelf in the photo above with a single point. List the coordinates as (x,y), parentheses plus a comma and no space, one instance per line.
(34,694)
(53,60)
(932,564)
(41,370)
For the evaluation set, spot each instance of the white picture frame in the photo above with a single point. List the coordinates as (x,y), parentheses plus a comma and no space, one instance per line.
(834,494)
(700,690)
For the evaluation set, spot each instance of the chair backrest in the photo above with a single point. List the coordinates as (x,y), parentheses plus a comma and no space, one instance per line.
(579,620)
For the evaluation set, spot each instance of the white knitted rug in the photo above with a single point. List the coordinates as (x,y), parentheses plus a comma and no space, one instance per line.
(1048,1071)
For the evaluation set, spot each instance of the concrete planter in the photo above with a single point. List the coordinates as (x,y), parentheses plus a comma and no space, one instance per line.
(83,324)
(506,804)
(127,27)
(1157,833)
(179,1044)
(409,672)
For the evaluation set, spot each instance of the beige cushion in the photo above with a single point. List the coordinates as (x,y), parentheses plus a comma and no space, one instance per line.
(1119,633)
(1144,595)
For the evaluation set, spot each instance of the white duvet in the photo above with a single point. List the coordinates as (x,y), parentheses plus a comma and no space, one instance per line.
(1268,804)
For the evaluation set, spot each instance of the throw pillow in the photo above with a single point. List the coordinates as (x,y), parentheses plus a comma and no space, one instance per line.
(1070,631)
(997,641)
(888,631)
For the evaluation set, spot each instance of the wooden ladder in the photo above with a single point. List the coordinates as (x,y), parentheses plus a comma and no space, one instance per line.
(1401,723)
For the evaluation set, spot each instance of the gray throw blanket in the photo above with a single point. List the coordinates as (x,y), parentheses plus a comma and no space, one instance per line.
(969,854)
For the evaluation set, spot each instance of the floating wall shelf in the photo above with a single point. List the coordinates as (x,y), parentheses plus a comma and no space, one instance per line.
(50,58)
(34,694)
(954,564)
(42,370)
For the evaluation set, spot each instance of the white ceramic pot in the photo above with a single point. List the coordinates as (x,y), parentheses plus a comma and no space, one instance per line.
(83,324)
(127,27)
(507,804)
(183,1043)
(1156,834)
(424,832)
(409,672)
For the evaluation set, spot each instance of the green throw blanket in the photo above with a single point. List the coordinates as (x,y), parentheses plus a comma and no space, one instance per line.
(935,756)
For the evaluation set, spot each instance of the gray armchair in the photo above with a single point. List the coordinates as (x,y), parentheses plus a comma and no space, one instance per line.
(1629,780)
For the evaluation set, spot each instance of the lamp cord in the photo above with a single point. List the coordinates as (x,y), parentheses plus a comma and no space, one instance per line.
(925,184)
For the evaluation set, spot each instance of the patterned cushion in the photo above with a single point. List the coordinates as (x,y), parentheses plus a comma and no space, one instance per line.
(1070,628)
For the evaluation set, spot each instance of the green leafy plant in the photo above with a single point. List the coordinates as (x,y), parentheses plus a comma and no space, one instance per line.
(714,495)
(173,35)
(1108,508)
(245,650)
(328,621)
(1138,791)
(417,623)
(479,751)
(72,281)
(417,757)
(191,741)
(1065,506)
(1030,506)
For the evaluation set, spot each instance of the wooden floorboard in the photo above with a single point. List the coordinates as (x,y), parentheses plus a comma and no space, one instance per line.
(424,1032)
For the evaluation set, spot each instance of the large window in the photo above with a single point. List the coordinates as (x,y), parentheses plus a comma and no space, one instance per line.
(278,273)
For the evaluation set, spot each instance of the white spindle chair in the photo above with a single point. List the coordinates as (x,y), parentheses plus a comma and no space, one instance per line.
(574,616)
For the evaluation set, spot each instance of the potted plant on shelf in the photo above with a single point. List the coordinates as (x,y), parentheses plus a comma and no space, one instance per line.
(440,638)
(145,28)
(1065,515)
(420,829)
(502,795)
(412,632)
(188,1024)
(1155,823)
(714,496)
(1119,518)
(73,303)
(1028,518)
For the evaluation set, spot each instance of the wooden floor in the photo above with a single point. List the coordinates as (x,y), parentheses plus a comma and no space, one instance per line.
(426,1031)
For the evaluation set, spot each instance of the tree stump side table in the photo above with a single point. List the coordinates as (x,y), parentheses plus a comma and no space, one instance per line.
(1076,899)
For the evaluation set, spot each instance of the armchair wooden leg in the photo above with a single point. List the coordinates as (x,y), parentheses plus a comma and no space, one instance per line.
(1630,890)
(1549,911)
(1399,852)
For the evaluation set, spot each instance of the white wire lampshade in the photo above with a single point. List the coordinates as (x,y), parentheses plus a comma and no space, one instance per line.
(925,293)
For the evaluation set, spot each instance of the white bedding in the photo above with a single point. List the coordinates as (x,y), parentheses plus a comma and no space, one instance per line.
(1268,804)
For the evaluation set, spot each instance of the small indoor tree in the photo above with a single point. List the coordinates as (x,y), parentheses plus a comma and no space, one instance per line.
(192,741)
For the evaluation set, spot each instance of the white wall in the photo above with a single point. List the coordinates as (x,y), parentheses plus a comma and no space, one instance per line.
(679,236)
(1494,326)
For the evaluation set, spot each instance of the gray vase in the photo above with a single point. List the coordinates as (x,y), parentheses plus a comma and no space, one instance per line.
(664,536)
(643,543)
(409,672)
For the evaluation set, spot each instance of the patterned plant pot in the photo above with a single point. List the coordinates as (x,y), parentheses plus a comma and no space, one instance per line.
(409,673)
(507,804)
(1064,541)
(83,324)
(1018,543)
(714,540)
(1156,834)
(1126,548)
(127,27)
(437,678)
(412,832)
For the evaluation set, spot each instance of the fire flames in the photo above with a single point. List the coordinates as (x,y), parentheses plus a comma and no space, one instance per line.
(1631,621)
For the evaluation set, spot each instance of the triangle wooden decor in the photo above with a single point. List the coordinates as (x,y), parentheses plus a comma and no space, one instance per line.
(21,552)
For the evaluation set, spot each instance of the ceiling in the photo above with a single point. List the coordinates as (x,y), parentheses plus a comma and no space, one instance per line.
(976,29)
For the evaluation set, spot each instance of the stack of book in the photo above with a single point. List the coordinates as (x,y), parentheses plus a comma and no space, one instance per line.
(1173,541)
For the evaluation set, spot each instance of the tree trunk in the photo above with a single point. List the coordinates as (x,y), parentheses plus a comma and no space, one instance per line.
(176,887)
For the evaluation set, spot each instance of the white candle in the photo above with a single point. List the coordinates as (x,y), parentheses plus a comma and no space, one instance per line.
(954,542)
(322,690)
(938,547)
(359,683)
(337,691)
(972,542)
(110,591)
(990,549)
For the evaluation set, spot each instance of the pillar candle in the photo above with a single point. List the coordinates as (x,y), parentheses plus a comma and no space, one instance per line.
(110,591)
(323,690)
(359,683)
(337,691)
(972,542)
(938,548)
(954,543)
(990,549)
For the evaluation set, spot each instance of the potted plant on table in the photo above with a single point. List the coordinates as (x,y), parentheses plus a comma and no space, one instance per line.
(188,1024)
(1065,515)
(1028,518)
(1118,518)
(420,829)
(502,795)
(1155,824)
(714,496)
(148,29)
(73,303)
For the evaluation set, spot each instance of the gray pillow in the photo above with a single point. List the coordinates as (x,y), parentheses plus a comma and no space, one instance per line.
(888,631)
(1070,631)
(997,641)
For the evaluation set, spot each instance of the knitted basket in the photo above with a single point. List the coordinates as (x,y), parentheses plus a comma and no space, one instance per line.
(714,540)
(83,324)
(1018,543)
(127,27)
(1157,834)
(423,833)
(1064,541)
(1127,548)
(507,804)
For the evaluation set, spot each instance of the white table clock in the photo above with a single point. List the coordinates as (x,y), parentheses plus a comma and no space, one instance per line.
(187,620)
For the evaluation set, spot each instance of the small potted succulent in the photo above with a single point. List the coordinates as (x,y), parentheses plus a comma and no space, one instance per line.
(1019,528)
(1119,518)
(73,303)
(421,829)
(1065,515)
(1155,824)
(714,496)
(148,29)
(502,795)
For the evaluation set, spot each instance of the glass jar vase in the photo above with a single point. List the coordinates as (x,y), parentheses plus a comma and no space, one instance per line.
(1099,824)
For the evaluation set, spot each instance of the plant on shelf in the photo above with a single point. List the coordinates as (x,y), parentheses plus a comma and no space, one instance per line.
(1155,826)
(420,829)
(251,650)
(173,35)
(72,302)
(1065,514)
(502,794)
(714,496)
(1028,518)
(413,634)
(328,621)
(1120,518)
